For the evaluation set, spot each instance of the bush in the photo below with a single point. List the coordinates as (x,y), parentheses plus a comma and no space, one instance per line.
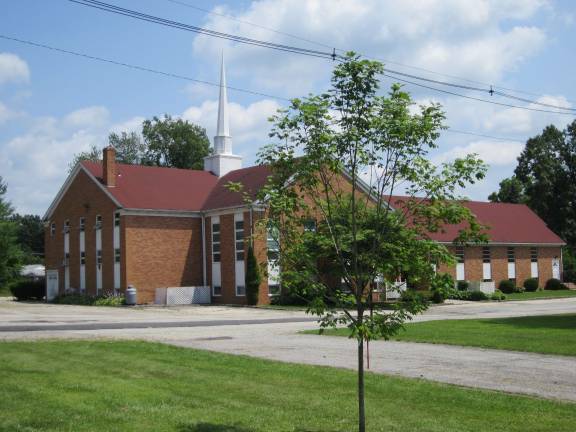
(498,296)
(519,289)
(477,296)
(437,297)
(554,285)
(86,300)
(442,287)
(507,286)
(26,289)
(412,296)
(463,285)
(531,285)
(111,300)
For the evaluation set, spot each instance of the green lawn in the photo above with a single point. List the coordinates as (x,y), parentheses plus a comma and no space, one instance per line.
(138,386)
(541,295)
(552,334)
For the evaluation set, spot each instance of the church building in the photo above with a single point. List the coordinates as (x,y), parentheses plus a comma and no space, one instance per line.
(166,230)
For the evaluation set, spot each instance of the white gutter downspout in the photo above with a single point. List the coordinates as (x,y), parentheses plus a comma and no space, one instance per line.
(203,250)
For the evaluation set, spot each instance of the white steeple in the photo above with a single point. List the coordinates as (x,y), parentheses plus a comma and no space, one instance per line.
(222,160)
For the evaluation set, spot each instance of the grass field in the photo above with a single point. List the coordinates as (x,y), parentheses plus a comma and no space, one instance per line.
(541,295)
(139,386)
(552,334)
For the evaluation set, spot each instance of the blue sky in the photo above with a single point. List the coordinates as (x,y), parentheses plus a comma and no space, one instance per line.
(53,105)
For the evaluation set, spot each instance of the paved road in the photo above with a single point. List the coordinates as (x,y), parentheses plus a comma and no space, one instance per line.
(273,335)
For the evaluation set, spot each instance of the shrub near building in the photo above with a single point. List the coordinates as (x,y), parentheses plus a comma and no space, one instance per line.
(507,286)
(531,285)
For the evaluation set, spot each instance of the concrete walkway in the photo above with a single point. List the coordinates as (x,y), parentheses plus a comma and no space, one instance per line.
(274,335)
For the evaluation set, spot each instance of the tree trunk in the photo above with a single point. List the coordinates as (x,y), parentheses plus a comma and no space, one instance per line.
(361,413)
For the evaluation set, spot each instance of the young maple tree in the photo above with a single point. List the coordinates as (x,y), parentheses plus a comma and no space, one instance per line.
(338,160)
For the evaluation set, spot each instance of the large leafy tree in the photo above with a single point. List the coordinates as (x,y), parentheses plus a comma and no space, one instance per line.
(165,142)
(511,191)
(545,178)
(10,253)
(128,145)
(338,159)
(175,143)
(30,236)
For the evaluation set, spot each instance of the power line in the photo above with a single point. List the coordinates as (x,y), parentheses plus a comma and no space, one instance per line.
(490,87)
(288,48)
(140,68)
(230,17)
(182,77)
(491,91)
(457,131)
(475,98)
(200,30)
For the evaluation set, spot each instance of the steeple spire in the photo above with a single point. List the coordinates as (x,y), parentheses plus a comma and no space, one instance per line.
(222,161)
(222,140)
(223,128)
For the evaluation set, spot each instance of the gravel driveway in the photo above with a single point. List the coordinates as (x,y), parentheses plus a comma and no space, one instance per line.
(273,335)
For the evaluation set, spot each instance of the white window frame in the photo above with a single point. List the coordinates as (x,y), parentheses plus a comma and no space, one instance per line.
(460,263)
(534,255)
(511,259)
(238,242)
(486,264)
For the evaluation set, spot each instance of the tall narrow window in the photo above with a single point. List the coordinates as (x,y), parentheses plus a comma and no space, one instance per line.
(98,222)
(82,258)
(239,236)
(82,224)
(486,265)
(216,242)
(117,255)
(117,219)
(52,229)
(99,257)
(511,254)
(460,271)
(534,262)
(66,226)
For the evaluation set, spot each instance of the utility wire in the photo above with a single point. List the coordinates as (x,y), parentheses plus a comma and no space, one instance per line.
(140,68)
(182,77)
(475,98)
(230,17)
(200,30)
(492,87)
(491,91)
(298,50)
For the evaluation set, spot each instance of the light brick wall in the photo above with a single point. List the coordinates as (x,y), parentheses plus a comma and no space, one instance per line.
(162,252)
(499,263)
(83,199)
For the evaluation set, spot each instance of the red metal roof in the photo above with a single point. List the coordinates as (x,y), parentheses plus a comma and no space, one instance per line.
(252,178)
(508,223)
(155,188)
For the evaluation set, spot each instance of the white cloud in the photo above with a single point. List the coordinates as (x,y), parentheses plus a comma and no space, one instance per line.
(491,152)
(449,36)
(13,69)
(7,114)
(132,125)
(89,117)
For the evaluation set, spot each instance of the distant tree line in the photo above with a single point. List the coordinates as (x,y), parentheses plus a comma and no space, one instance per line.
(164,142)
(545,180)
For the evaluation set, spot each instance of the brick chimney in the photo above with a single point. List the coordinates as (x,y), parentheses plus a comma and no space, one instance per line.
(109,166)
